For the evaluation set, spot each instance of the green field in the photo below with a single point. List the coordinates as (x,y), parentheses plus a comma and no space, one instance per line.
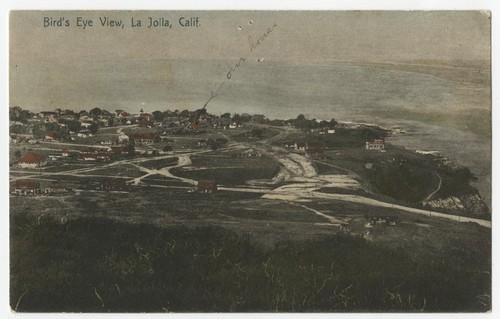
(227,169)
(100,265)
(159,163)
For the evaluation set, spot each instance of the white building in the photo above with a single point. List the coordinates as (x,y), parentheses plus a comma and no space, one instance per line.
(375,145)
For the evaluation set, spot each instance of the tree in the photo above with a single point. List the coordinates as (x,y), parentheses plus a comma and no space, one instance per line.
(105,113)
(93,128)
(301,118)
(158,116)
(95,112)
(14,113)
(52,127)
(18,114)
(167,148)
(74,126)
(245,117)
(236,118)
(38,131)
(226,115)
(185,113)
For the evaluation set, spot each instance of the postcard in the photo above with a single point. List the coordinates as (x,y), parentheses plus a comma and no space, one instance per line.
(250,161)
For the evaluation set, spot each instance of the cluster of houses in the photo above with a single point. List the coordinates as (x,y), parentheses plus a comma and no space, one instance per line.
(315,149)
(145,137)
(323,131)
(31,187)
(311,149)
(94,154)
(35,160)
(381,220)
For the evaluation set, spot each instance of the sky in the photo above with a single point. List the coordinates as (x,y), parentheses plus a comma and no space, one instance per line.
(300,36)
(78,67)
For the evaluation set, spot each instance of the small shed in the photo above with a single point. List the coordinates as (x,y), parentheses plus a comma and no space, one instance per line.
(26,187)
(206,186)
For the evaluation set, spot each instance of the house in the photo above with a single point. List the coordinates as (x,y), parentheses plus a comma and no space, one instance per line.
(145,122)
(305,146)
(88,154)
(330,131)
(25,187)
(32,160)
(23,139)
(46,114)
(316,154)
(375,145)
(121,149)
(250,153)
(86,120)
(54,157)
(51,135)
(123,114)
(382,220)
(103,121)
(206,186)
(87,157)
(202,143)
(194,126)
(92,154)
(145,138)
(65,152)
(300,146)
(104,156)
(84,134)
(54,188)
(107,142)
(122,138)
(113,184)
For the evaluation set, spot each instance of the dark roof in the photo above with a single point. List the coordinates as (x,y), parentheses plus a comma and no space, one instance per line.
(207,184)
(31,158)
(52,134)
(25,184)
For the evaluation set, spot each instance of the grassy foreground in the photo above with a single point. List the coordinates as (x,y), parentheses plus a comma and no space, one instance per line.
(100,265)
